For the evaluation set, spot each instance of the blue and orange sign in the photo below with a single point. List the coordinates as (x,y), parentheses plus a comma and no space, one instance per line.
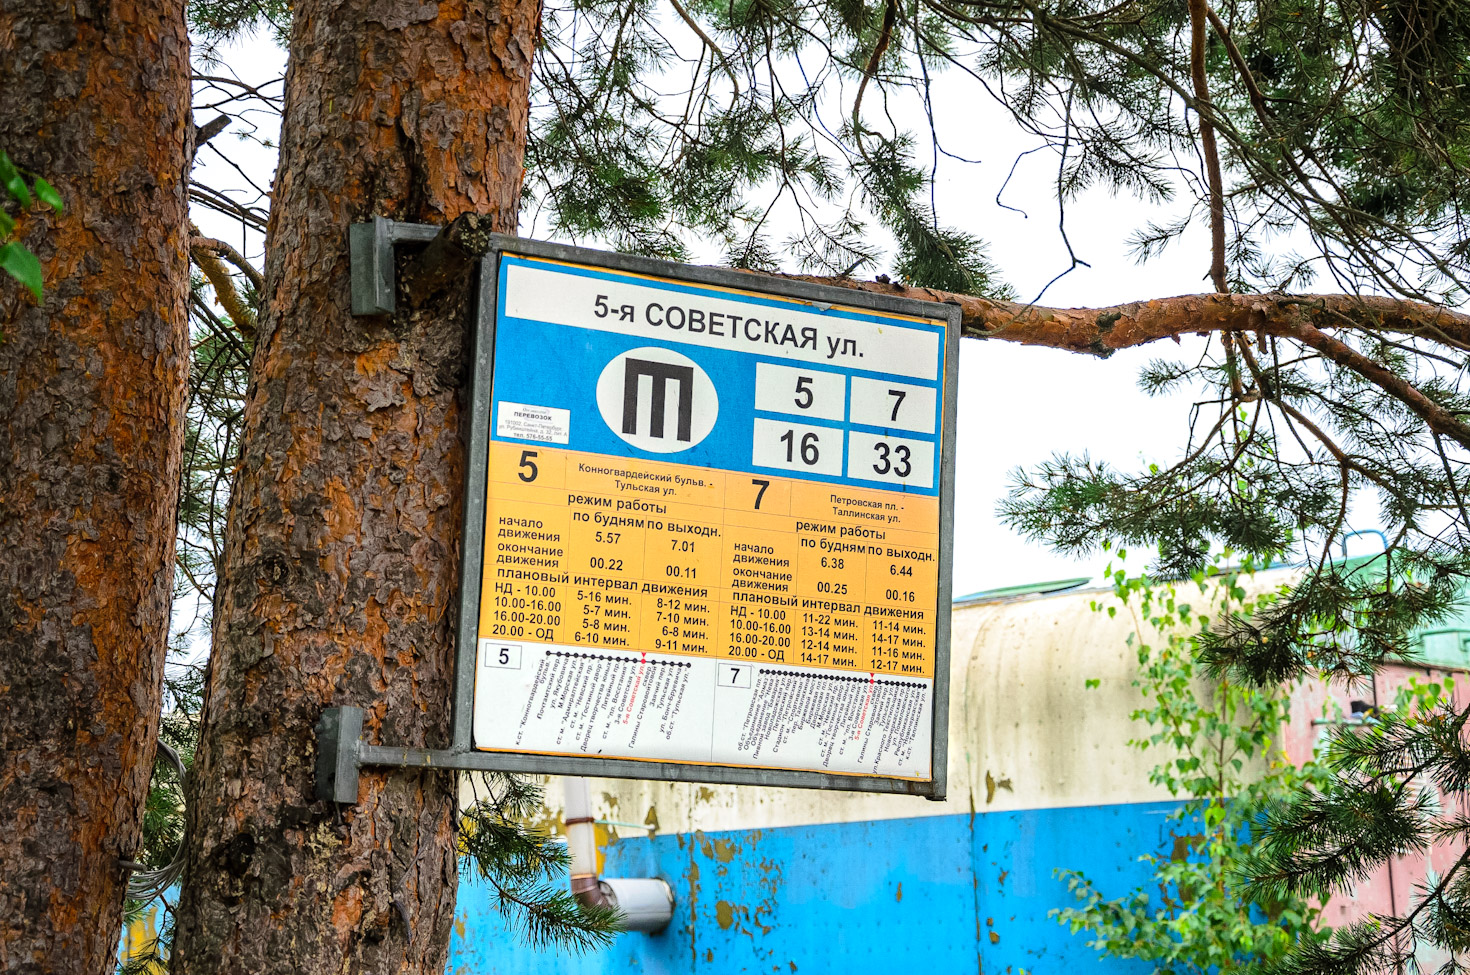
(713,526)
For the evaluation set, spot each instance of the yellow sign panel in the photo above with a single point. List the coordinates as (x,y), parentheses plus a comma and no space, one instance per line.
(713,530)
(850,574)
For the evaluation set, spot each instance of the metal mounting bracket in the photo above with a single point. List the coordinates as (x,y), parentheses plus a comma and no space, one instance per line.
(370,247)
(643,903)
(338,736)
(342,754)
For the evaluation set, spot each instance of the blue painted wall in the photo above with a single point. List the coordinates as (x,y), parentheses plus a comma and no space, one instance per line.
(936,895)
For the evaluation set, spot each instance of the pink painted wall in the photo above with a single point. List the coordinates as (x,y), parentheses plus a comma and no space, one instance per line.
(1394,888)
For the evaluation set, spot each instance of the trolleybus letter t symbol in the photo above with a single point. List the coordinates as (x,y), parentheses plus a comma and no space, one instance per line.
(657,399)
(661,373)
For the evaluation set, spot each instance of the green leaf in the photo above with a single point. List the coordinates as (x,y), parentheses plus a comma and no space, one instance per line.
(22,265)
(7,224)
(13,181)
(47,194)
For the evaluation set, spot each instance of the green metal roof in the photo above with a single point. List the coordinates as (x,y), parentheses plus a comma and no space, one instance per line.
(1027,589)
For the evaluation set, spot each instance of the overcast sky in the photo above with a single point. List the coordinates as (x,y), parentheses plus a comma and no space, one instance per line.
(1017,405)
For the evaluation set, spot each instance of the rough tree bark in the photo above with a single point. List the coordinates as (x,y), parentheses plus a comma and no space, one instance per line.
(92,388)
(341,565)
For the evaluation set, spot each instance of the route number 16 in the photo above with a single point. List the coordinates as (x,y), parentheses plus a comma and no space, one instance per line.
(797,446)
(810,453)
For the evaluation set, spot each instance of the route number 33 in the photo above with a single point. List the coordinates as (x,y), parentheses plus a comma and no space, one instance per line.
(890,458)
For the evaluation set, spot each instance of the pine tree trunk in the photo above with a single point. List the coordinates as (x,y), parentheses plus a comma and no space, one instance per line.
(92,390)
(341,568)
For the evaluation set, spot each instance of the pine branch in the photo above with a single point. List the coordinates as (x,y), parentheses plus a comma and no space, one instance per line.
(1439,419)
(206,253)
(1104,330)
(527,869)
(714,48)
(1197,17)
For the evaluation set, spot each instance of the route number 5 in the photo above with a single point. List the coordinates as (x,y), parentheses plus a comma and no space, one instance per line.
(528,469)
(803,399)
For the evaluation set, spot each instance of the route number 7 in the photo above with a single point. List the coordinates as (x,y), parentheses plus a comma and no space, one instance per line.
(764,485)
(898,395)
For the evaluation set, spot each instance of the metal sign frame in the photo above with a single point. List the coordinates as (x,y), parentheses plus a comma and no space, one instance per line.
(341,751)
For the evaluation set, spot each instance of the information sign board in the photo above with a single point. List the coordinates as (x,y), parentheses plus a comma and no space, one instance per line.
(712,517)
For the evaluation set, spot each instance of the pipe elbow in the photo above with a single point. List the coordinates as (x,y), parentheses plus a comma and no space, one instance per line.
(589,891)
(642,903)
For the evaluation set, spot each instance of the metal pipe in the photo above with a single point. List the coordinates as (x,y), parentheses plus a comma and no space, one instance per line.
(643,903)
(582,842)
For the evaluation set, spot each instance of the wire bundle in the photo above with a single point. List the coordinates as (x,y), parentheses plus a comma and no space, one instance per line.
(147,883)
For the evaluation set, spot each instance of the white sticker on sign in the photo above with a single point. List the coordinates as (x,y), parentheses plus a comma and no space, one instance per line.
(543,424)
